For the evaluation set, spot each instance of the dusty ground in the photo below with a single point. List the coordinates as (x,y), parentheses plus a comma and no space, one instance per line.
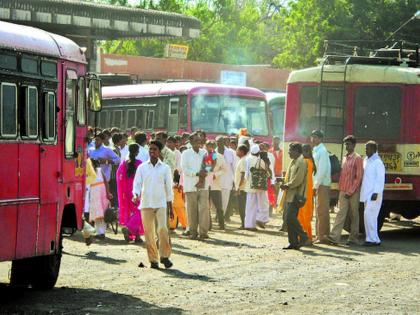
(234,272)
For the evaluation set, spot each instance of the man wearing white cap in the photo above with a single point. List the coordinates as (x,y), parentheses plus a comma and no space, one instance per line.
(256,175)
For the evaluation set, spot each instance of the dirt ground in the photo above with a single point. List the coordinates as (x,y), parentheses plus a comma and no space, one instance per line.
(234,272)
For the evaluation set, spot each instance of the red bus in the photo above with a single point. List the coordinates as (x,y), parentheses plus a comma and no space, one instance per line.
(373,98)
(42,143)
(179,107)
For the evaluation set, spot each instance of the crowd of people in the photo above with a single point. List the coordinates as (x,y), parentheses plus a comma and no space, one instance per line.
(159,182)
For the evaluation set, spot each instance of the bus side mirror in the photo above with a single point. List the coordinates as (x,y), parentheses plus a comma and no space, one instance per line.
(95,95)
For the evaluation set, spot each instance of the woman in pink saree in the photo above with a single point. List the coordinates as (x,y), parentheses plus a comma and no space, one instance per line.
(129,214)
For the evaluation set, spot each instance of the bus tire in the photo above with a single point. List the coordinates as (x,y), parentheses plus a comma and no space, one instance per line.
(39,272)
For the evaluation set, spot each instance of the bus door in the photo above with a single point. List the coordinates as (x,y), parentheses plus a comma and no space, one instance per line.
(50,175)
(173,115)
(9,161)
(29,157)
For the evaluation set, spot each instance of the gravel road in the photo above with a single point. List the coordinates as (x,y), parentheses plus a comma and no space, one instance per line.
(234,272)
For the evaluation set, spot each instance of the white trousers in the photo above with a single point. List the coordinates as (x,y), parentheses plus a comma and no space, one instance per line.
(256,208)
(100,226)
(225,199)
(372,209)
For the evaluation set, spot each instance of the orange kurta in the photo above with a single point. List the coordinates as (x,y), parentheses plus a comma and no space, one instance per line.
(306,212)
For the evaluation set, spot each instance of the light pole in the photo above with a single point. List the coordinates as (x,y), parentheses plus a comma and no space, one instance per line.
(415,16)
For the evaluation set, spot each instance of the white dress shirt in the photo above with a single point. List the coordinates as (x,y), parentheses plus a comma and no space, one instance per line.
(323,166)
(373,177)
(191,163)
(228,178)
(153,184)
(177,159)
(143,154)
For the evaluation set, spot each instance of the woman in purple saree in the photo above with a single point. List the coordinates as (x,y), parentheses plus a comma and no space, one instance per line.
(129,214)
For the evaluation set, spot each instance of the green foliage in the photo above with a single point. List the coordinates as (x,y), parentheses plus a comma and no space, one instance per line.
(285,33)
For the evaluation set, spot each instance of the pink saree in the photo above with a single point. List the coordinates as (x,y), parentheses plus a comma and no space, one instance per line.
(129,214)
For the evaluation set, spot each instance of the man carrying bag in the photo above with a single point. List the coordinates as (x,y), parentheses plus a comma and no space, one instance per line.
(294,188)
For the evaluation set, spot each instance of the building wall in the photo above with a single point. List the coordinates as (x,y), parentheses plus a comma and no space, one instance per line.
(161,69)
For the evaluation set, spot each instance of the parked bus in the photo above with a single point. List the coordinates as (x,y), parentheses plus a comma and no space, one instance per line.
(42,143)
(179,107)
(275,101)
(374,98)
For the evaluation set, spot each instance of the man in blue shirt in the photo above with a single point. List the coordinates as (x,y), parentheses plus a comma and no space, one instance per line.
(105,156)
(322,182)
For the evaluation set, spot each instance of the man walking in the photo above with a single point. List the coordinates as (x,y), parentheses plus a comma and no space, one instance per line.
(322,182)
(197,197)
(294,188)
(141,140)
(372,192)
(153,183)
(349,193)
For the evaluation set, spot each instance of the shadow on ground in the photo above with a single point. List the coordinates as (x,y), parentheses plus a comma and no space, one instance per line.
(75,301)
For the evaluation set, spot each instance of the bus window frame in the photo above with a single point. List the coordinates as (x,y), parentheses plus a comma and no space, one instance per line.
(81,114)
(28,113)
(46,113)
(70,75)
(172,101)
(2,135)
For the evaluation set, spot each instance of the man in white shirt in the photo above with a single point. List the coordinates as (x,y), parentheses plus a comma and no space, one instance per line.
(228,177)
(197,198)
(256,211)
(141,139)
(322,182)
(214,178)
(240,182)
(166,153)
(371,193)
(153,185)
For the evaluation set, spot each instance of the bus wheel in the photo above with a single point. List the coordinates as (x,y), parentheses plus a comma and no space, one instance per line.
(39,272)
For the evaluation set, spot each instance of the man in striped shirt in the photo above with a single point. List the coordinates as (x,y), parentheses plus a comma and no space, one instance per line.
(349,195)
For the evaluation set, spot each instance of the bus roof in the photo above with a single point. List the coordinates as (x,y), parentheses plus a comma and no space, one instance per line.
(177,88)
(35,41)
(358,73)
(272,96)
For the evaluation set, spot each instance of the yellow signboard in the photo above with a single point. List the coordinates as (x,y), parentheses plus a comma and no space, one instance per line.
(392,161)
(176,51)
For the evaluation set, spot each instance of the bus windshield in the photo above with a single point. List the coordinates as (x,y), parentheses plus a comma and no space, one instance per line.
(227,114)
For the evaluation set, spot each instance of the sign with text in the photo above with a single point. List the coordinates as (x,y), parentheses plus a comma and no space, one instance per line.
(233,78)
(392,161)
(176,51)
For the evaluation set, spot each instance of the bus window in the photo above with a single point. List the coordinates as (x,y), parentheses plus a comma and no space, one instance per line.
(140,119)
(227,114)
(329,119)
(29,124)
(173,115)
(8,62)
(103,119)
(377,112)
(81,101)
(29,65)
(49,69)
(150,119)
(117,118)
(48,130)
(8,113)
(70,134)
(183,112)
(131,118)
